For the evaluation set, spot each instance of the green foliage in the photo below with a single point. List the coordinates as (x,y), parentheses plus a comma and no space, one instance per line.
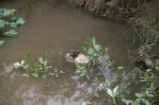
(114,94)
(140,99)
(56,72)
(39,69)
(6,12)
(81,70)
(20,65)
(145,97)
(8,23)
(92,49)
(2,42)
(15,21)
(11,33)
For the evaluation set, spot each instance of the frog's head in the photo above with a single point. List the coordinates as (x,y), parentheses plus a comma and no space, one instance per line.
(74,53)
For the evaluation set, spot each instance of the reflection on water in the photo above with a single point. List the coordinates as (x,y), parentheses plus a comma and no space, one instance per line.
(51,30)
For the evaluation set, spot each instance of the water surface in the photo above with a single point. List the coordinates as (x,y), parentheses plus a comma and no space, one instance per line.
(52,29)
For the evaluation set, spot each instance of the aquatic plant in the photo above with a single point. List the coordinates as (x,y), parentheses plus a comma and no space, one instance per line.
(39,69)
(81,70)
(7,23)
(92,48)
(145,97)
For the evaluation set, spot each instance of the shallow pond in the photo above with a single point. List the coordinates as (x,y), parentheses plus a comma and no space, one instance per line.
(52,29)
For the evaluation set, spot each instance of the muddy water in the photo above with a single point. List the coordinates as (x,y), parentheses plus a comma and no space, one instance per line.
(52,29)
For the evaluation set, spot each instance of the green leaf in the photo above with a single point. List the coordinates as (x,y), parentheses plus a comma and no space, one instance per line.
(6,12)
(109,63)
(116,91)
(2,42)
(2,23)
(110,92)
(10,33)
(16,65)
(40,59)
(20,21)
(83,47)
(12,24)
(90,51)
(35,75)
(139,95)
(15,21)
(98,47)
(138,101)
(146,102)
(102,52)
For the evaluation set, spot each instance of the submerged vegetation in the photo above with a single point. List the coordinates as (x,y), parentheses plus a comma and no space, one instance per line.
(39,69)
(8,23)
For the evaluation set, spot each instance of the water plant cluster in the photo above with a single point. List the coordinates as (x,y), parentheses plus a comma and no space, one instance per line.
(9,23)
(39,69)
(148,77)
(92,49)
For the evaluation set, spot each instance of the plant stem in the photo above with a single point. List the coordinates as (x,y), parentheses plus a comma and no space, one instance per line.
(114,101)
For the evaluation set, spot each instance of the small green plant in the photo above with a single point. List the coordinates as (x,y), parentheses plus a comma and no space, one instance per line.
(114,94)
(145,97)
(140,99)
(56,72)
(7,23)
(44,63)
(39,69)
(81,70)
(92,49)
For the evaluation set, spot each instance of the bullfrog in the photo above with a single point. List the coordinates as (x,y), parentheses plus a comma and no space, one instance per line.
(76,57)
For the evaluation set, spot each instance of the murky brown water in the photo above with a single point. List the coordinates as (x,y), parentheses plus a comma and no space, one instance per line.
(51,30)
